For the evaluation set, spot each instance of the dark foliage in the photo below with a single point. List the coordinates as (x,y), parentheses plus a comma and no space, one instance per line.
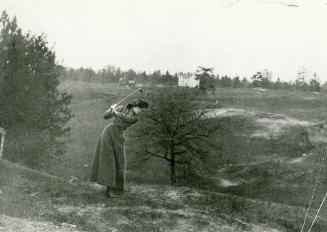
(206,79)
(32,108)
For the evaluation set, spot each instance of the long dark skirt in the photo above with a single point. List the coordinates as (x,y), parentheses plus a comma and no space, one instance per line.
(109,162)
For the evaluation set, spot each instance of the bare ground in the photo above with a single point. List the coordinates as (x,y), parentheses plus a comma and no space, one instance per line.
(11,224)
(32,201)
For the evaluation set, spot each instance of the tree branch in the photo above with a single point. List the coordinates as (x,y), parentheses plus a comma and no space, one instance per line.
(156,155)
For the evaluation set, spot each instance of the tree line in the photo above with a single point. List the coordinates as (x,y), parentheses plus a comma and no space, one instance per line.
(112,74)
(208,80)
(262,80)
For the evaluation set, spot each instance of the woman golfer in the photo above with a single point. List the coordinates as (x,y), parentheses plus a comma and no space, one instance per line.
(109,162)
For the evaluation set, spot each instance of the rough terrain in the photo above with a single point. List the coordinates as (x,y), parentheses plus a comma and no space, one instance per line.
(33,201)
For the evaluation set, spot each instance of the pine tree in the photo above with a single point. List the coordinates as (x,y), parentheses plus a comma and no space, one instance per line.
(205,77)
(30,102)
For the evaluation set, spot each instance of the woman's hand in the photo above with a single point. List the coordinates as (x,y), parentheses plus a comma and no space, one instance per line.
(113,106)
(111,109)
(3,131)
(110,112)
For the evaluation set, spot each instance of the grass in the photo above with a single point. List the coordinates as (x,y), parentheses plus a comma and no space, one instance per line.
(40,197)
(233,143)
(268,179)
(261,166)
(300,105)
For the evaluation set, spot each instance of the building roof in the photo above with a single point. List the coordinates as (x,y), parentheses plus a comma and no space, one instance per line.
(187,76)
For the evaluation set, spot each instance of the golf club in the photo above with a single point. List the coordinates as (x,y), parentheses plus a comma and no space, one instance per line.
(132,93)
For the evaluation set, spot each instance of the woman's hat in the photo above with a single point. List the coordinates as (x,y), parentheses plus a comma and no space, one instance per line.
(138,103)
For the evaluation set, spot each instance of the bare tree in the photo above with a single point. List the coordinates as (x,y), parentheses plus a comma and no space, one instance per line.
(175,129)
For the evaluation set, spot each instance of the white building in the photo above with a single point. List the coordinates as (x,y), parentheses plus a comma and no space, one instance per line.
(188,80)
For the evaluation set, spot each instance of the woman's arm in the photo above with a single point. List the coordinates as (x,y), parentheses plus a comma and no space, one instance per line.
(3,131)
(109,113)
(119,112)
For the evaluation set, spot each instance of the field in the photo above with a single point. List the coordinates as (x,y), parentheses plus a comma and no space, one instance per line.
(277,146)
(269,147)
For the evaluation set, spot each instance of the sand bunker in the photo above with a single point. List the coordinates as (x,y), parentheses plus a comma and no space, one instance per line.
(272,126)
(226,112)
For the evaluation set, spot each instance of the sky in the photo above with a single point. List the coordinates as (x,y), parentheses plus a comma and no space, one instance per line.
(235,37)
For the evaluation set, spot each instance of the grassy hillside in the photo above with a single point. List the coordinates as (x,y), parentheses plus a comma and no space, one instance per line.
(301,105)
(256,127)
(34,201)
(91,99)
(259,147)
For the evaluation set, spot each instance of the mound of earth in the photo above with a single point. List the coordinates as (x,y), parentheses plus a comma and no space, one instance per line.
(33,201)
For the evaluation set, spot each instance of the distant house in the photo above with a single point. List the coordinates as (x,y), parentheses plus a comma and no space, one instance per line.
(127,83)
(122,81)
(131,83)
(188,79)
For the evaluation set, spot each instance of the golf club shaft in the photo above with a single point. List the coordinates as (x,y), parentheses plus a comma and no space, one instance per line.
(3,134)
(132,93)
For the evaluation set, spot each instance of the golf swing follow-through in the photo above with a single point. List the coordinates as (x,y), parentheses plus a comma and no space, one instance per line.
(109,161)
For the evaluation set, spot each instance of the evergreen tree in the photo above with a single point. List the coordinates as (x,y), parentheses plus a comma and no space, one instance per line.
(315,84)
(29,97)
(226,82)
(245,82)
(277,84)
(300,82)
(205,76)
(236,83)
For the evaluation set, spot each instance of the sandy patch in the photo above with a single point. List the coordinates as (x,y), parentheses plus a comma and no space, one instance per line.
(271,128)
(9,224)
(228,183)
(300,159)
(174,195)
(271,125)
(225,112)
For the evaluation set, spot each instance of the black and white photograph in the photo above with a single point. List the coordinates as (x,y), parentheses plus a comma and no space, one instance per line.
(163,115)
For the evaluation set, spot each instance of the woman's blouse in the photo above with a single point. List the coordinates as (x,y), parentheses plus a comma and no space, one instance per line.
(123,118)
